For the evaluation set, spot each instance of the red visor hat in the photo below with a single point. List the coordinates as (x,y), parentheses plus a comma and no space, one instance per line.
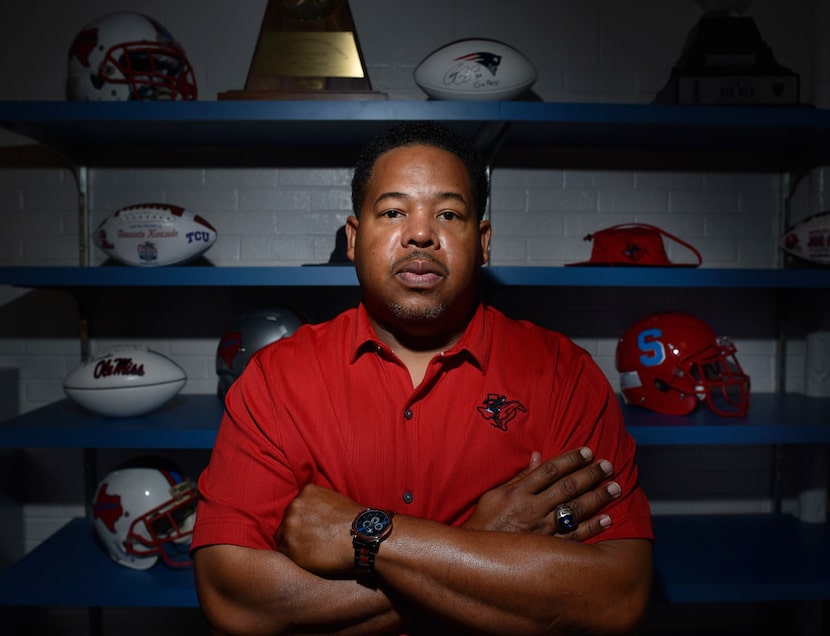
(634,244)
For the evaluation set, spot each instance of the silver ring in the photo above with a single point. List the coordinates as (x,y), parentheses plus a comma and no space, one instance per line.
(565,519)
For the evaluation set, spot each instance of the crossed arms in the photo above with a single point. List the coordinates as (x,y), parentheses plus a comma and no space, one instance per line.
(505,571)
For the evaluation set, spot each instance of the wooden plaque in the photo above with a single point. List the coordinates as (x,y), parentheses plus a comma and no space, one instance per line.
(307,49)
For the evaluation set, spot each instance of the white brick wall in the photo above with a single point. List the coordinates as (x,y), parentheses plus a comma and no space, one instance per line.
(596,51)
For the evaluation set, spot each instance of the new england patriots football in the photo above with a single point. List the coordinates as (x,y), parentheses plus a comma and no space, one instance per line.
(475,70)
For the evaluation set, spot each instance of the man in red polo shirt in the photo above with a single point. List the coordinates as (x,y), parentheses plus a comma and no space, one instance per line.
(422,462)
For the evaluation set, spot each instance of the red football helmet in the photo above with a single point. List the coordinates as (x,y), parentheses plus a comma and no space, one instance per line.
(670,361)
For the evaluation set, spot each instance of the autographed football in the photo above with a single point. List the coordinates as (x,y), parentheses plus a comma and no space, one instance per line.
(809,239)
(125,381)
(154,234)
(475,70)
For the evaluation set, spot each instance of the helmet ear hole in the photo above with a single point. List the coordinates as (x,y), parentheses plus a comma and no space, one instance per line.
(661,386)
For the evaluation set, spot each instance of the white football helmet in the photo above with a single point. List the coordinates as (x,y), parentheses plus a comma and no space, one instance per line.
(128,56)
(142,512)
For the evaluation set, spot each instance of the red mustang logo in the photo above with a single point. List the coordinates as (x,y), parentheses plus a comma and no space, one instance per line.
(500,411)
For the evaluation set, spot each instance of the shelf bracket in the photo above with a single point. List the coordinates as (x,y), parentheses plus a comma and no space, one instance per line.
(81,173)
(82,178)
(488,140)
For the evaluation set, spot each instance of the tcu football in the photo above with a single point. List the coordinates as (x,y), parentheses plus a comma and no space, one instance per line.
(810,239)
(475,70)
(154,235)
(125,381)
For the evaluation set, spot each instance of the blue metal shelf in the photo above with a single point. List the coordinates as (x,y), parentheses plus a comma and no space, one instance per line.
(187,421)
(192,421)
(740,558)
(228,132)
(711,558)
(118,276)
(772,419)
(70,116)
(71,569)
(660,277)
(339,276)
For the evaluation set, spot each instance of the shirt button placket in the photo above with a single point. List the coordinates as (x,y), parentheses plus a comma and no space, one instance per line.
(407,494)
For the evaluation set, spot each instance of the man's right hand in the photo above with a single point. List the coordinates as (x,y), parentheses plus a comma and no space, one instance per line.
(526,503)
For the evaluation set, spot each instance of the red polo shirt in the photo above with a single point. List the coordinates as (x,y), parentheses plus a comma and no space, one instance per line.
(334,406)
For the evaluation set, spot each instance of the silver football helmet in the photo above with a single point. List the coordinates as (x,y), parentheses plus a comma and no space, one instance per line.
(250,332)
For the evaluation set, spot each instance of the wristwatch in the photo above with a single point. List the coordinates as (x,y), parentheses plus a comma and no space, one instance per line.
(369,529)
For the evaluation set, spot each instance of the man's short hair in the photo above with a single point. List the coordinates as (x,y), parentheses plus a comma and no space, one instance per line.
(427,133)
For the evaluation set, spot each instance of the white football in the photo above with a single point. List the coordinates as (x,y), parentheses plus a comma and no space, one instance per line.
(475,70)
(125,381)
(809,239)
(154,234)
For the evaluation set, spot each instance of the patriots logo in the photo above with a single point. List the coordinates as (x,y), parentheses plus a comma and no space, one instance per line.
(490,61)
(107,508)
(500,411)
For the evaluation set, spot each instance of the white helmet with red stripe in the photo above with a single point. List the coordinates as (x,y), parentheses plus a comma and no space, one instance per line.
(128,56)
(144,511)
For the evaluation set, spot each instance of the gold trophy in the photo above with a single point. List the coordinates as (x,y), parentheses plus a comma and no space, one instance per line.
(307,49)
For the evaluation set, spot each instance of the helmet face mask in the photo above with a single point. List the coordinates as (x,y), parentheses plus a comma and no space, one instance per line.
(721,379)
(149,72)
(171,522)
(128,56)
(145,513)
(670,362)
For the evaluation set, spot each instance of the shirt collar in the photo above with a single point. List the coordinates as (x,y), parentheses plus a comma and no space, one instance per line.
(473,342)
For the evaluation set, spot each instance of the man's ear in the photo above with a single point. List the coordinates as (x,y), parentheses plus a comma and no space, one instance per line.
(351,236)
(485,231)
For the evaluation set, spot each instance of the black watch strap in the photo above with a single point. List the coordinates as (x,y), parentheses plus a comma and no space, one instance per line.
(364,559)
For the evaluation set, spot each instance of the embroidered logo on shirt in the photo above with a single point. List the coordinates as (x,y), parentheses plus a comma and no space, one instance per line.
(500,411)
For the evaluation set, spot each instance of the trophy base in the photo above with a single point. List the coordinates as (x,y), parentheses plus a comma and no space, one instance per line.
(303,95)
(771,90)
(726,61)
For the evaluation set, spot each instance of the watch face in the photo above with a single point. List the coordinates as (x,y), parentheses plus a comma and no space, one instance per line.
(372,524)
